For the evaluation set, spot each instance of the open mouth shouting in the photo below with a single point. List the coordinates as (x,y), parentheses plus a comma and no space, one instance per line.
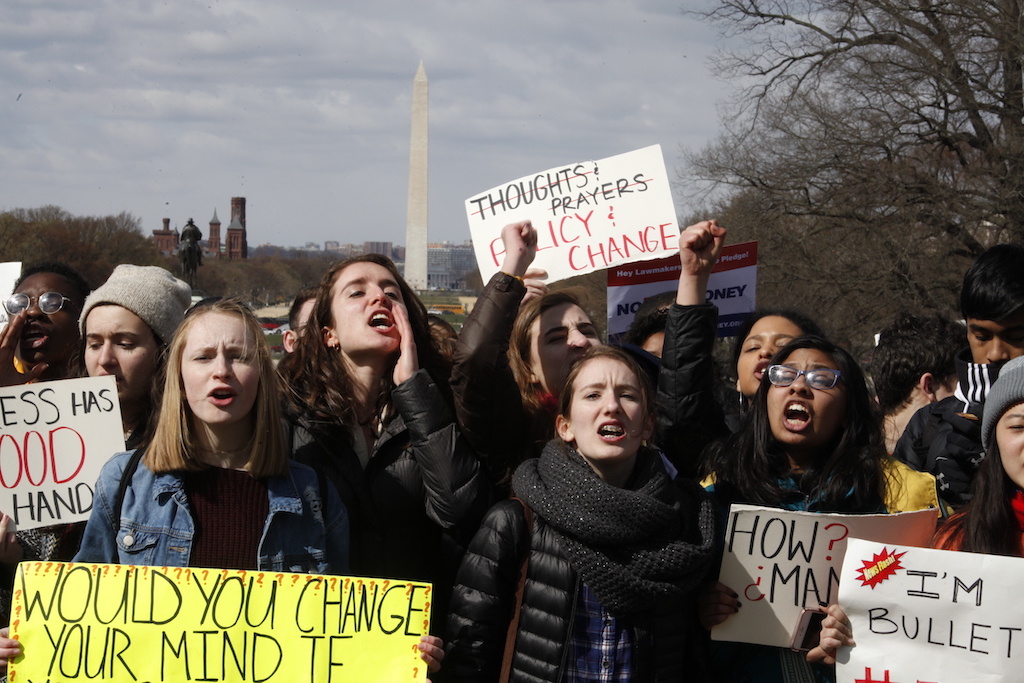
(760,367)
(382,320)
(796,417)
(222,397)
(32,337)
(611,432)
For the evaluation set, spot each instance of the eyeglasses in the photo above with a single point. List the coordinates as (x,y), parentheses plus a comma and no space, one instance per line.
(49,302)
(818,378)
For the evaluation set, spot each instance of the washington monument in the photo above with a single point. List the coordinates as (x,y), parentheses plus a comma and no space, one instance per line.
(416,219)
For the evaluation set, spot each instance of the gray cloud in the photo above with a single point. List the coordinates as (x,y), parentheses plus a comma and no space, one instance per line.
(169,109)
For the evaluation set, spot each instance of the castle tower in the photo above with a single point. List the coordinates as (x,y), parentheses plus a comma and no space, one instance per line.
(166,239)
(213,241)
(237,243)
(416,220)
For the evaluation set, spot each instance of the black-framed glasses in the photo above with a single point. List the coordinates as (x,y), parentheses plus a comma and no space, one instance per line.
(49,302)
(817,378)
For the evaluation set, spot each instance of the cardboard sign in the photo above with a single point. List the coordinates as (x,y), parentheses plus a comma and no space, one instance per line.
(930,615)
(54,438)
(588,215)
(732,287)
(780,562)
(122,623)
(10,271)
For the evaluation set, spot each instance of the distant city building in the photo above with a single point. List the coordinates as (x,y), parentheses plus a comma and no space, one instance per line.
(332,245)
(384,248)
(448,264)
(166,240)
(213,245)
(236,246)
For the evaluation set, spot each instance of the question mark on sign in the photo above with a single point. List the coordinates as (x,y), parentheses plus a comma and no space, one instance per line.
(117,570)
(279,577)
(295,578)
(387,582)
(334,582)
(760,595)
(206,573)
(846,532)
(177,573)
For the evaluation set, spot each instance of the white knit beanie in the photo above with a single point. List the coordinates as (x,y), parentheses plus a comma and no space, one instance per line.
(1007,392)
(149,292)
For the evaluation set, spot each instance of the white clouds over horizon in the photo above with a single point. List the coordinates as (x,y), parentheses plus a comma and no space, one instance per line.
(169,109)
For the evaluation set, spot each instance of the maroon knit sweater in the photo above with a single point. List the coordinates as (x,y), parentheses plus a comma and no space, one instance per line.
(230,509)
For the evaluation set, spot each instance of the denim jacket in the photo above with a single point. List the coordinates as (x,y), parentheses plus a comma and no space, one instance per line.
(302,534)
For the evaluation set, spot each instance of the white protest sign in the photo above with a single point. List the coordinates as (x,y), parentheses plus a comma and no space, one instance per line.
(930,615)
(732,287)
(780,562)
(588,215)
(9,274)
(54,438)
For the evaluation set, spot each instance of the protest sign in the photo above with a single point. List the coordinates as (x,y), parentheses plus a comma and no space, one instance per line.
(54,438)
(588,215)
(780,562)
(124,623)
(732,287)
(10,271)
(930,615)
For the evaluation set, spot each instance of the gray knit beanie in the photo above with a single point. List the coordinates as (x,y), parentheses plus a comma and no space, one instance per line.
(1007,392)
(149,292)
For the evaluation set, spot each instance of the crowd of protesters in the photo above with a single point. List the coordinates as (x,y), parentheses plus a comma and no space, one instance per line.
(566,499)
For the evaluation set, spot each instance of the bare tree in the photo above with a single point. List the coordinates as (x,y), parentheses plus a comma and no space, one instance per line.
(875,147)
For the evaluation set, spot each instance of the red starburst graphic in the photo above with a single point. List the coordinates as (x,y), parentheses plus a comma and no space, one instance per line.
(879,568)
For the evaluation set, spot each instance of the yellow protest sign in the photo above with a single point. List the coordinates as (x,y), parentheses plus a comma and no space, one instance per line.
(121,623)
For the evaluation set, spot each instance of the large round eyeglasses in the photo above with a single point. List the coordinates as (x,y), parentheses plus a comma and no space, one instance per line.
(49,302)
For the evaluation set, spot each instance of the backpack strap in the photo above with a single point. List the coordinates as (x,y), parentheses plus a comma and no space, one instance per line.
(513,625)
(126,479)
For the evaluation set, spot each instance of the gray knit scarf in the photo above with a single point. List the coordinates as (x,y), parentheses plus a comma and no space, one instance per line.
(643,546)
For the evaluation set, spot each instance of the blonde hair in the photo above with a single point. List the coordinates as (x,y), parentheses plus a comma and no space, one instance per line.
(173,445)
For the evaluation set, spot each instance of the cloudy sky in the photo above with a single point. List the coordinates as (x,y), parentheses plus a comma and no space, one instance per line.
(170,108)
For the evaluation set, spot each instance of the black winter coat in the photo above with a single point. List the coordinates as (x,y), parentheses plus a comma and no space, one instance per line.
(689,416)
(418,502)
(488,404)
(670,646)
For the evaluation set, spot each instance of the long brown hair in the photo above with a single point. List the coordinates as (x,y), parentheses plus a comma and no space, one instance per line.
(173,443)
(318,384)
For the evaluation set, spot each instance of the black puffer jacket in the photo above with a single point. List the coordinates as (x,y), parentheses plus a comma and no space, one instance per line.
(670,646)
(944,438)
(488,404)
(420,498)
(689,416)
